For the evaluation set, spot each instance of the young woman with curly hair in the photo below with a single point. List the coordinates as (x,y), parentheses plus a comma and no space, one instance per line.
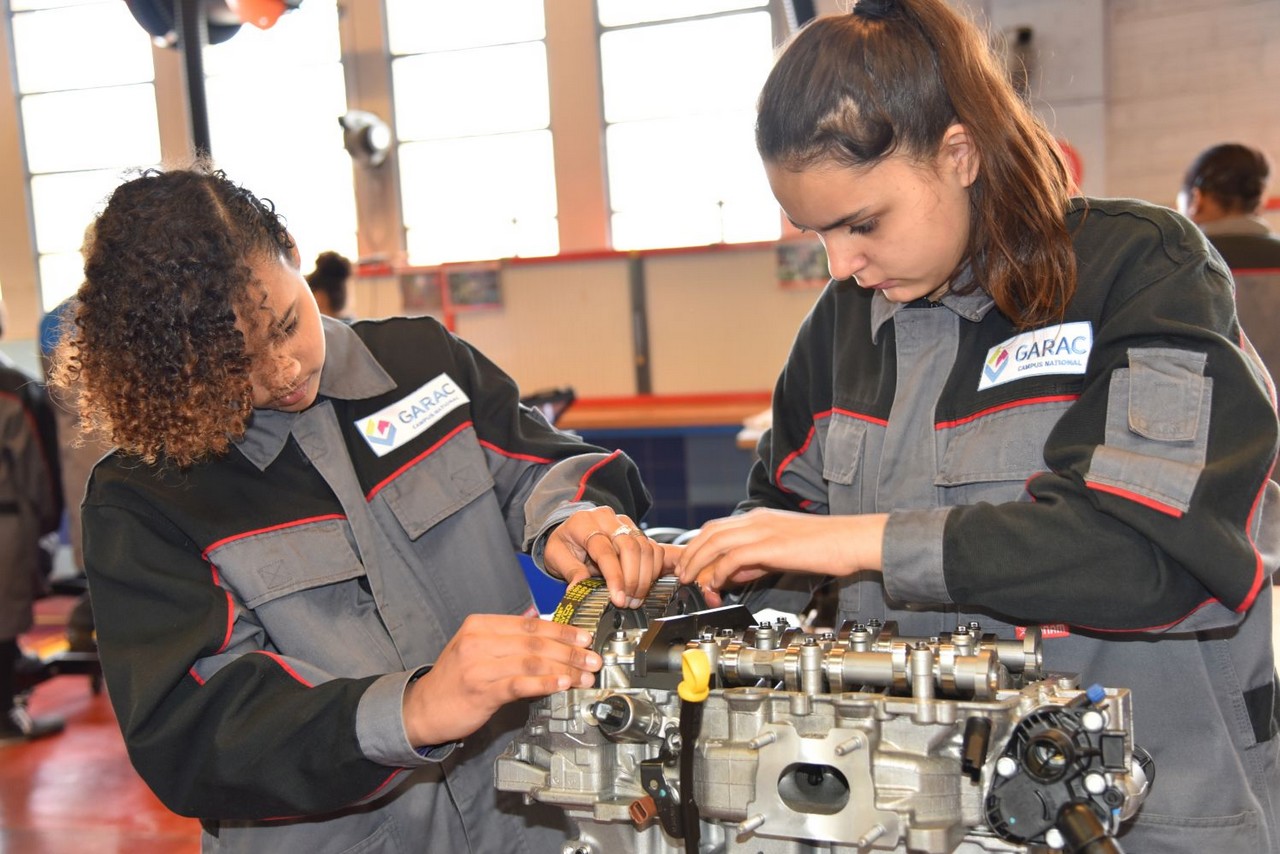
(1019,408)
(302,552)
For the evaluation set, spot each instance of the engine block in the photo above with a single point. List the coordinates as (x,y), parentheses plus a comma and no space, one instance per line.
(855,740)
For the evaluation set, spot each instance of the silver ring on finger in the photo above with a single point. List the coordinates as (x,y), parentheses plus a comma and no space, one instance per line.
(622,529)
(587,542)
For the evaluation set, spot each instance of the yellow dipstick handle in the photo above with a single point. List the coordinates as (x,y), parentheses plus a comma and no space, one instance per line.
(696,668)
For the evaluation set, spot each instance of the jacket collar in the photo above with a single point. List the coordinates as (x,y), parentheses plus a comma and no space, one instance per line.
(350,372)
(971,306)
(1238,224)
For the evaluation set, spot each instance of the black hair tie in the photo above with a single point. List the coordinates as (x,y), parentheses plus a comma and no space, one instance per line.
(876,10)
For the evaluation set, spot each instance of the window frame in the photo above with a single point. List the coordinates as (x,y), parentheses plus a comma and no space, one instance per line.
(779,27)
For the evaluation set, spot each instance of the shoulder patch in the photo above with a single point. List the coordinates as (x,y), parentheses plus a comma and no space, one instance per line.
(1060,349)
(394,425)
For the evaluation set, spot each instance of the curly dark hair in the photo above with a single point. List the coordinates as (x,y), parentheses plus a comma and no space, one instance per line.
(155,355)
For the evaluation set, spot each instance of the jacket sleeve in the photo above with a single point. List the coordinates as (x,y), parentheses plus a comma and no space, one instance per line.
(46,427)
(787,473)
(1151,516)
(218,723)
(541,474)
(31,445)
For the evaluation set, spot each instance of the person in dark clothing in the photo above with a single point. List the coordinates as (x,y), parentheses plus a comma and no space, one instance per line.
(77,454)
(302,554)
(30,507)
(330,282)
(1017,407)
(1222,192)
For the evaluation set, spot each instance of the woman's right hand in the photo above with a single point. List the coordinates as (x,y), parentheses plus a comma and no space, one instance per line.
(744,547)
(600,542)
(491,661)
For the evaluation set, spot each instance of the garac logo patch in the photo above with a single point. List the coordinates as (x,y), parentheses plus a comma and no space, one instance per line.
(394,425)
(1061,349)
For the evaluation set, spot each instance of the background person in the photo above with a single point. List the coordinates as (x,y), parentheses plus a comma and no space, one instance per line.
(311,619)
(1019,408)
(1222,192)
(78,451)
(330,283)
(30,507)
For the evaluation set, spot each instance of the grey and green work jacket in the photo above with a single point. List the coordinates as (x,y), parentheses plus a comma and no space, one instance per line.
(1105,478)
(259,616)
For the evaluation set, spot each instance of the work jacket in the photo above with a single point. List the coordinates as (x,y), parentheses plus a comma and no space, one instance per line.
(260,615)
(30,502)
(1105,478)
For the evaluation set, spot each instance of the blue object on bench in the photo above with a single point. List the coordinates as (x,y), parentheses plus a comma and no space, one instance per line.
(547,592)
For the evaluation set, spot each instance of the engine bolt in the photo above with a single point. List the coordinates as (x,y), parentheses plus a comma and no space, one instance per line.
(871,836)
(1093,721)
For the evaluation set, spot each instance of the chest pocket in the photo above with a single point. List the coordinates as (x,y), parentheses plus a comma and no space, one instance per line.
(990,458)
(305,575)
(438,484)
(844,451)
(275,563)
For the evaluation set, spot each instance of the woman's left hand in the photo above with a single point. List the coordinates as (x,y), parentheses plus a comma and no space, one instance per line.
(603,543)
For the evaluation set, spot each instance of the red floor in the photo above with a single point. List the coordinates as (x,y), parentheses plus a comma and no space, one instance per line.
(76,793)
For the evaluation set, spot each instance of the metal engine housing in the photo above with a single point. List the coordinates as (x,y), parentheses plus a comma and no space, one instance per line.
(850,741)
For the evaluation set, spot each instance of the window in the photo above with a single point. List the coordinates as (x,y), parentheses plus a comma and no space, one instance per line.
(85,123)
(274,99)
(679,130)
(472,116)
